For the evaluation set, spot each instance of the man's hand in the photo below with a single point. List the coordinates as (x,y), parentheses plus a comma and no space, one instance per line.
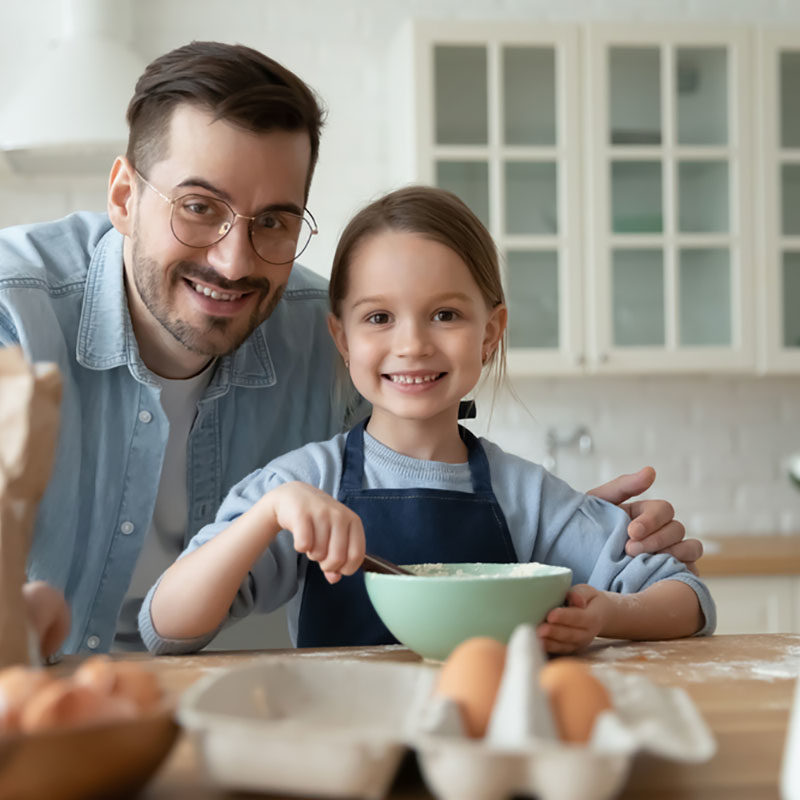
(653,527)
(48,615)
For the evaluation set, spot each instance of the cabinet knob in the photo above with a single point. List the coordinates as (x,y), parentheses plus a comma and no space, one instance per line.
(603,358)
(580,359)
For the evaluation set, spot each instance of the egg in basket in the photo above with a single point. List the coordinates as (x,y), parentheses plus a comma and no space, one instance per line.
(101,732)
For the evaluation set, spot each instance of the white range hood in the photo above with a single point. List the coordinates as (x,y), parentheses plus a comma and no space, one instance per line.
(67,115)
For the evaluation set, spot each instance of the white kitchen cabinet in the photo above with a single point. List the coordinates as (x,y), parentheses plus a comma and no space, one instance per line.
(670,216)
(614,167)
(756,604)
(779,151)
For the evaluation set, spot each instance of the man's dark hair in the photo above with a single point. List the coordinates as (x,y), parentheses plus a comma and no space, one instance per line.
(235,83)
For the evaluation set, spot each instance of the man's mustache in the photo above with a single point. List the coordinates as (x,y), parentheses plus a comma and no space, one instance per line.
(197,272)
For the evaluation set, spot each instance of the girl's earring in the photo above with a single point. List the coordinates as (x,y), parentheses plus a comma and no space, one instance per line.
(347,363)
(484,357)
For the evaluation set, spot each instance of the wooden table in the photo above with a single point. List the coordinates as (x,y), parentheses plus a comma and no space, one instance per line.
(743,686)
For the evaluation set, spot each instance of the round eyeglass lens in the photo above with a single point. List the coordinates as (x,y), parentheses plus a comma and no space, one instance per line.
(200,221)
(280,236)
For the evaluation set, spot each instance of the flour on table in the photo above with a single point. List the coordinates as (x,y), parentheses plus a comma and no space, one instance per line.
(784,665)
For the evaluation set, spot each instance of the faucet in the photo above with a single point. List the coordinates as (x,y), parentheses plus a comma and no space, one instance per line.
(580,436)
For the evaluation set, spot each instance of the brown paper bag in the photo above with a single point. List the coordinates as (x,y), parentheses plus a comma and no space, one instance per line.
(29,409)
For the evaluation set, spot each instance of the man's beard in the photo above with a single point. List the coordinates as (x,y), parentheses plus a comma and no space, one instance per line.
(155,295)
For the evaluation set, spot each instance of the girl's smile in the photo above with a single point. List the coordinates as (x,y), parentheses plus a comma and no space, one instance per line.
(413,380)
(415,329)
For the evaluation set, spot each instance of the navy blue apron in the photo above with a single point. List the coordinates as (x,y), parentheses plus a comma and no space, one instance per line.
(407,526)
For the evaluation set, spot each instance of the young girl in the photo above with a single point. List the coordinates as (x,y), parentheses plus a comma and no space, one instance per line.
(417,314)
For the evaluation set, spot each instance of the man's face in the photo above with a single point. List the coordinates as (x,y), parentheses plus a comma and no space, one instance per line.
(210,299)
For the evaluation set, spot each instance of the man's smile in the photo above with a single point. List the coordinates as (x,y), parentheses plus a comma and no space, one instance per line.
(213,292)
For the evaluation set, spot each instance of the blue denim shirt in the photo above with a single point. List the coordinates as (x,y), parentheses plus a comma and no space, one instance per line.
(62,298)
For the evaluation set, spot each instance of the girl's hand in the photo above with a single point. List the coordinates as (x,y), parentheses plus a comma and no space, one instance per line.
(566,630)
(48,615)
(326,530)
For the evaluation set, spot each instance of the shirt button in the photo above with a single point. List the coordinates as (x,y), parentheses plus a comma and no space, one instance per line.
(127,527)
(145,416)
(93,642)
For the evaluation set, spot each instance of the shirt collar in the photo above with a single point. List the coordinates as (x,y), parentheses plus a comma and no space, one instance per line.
(106,339)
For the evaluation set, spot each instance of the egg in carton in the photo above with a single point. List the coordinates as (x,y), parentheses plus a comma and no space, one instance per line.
(523,752)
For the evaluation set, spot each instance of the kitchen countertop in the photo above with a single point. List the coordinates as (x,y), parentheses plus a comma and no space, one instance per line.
(742,685)
(750,554)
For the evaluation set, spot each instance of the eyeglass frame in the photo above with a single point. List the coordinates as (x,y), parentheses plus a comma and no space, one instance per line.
(312,224)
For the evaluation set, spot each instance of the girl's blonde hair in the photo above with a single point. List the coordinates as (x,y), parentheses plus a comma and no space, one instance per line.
(437,215)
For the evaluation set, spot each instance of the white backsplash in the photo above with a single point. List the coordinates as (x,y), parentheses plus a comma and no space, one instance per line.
(719,444)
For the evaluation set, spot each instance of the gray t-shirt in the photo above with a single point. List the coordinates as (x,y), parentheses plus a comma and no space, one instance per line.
(549,522)
(167,533)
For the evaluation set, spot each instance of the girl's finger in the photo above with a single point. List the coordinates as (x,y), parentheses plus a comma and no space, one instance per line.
(571,617)
(336,556)
(319,549)
(561,633)
(556,647)
(303,535)
(356,546)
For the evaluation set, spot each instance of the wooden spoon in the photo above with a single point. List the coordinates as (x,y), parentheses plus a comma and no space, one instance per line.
(378,564)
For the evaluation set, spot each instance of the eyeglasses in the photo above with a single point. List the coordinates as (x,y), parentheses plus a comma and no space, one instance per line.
(199,220)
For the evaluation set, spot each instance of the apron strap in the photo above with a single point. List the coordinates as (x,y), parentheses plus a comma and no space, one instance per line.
(478,463)
(353,460)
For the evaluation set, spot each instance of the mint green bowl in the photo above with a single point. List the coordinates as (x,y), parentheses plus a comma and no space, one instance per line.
(432,613)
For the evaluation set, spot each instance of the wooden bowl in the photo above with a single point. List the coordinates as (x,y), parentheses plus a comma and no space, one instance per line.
(93,761)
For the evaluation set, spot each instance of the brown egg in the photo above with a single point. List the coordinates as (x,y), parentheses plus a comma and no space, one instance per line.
(576,697)
(120,679)
(17,686)
(66,704)
(97,671)
(471,677)
(137,684)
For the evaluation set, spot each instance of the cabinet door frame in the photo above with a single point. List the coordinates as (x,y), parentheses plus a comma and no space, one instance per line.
(603,356)
(773,356)
(568,357)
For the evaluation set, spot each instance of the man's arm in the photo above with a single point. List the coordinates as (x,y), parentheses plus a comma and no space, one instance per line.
(653,527)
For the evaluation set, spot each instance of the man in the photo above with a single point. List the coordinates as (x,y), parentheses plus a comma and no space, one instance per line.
(192,350)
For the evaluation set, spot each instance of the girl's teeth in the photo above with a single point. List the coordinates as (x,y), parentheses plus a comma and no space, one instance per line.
(413,379)
(213,293)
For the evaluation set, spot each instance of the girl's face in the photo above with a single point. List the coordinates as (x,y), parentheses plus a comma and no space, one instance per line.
(414,327)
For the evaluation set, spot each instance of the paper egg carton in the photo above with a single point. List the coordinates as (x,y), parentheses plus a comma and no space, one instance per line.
(340,729)
(521,755)
(306,726)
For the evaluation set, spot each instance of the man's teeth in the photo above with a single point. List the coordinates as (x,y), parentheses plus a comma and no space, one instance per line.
(413,378)
(214,294)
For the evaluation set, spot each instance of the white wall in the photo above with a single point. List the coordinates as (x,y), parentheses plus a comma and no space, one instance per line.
(718,443)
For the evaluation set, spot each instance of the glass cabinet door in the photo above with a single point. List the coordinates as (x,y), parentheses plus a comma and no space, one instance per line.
(780,66)
(789,156)
(504,139)
(667,205)
(789,113)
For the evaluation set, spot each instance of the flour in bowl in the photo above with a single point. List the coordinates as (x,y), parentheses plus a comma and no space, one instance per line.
(442,570)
